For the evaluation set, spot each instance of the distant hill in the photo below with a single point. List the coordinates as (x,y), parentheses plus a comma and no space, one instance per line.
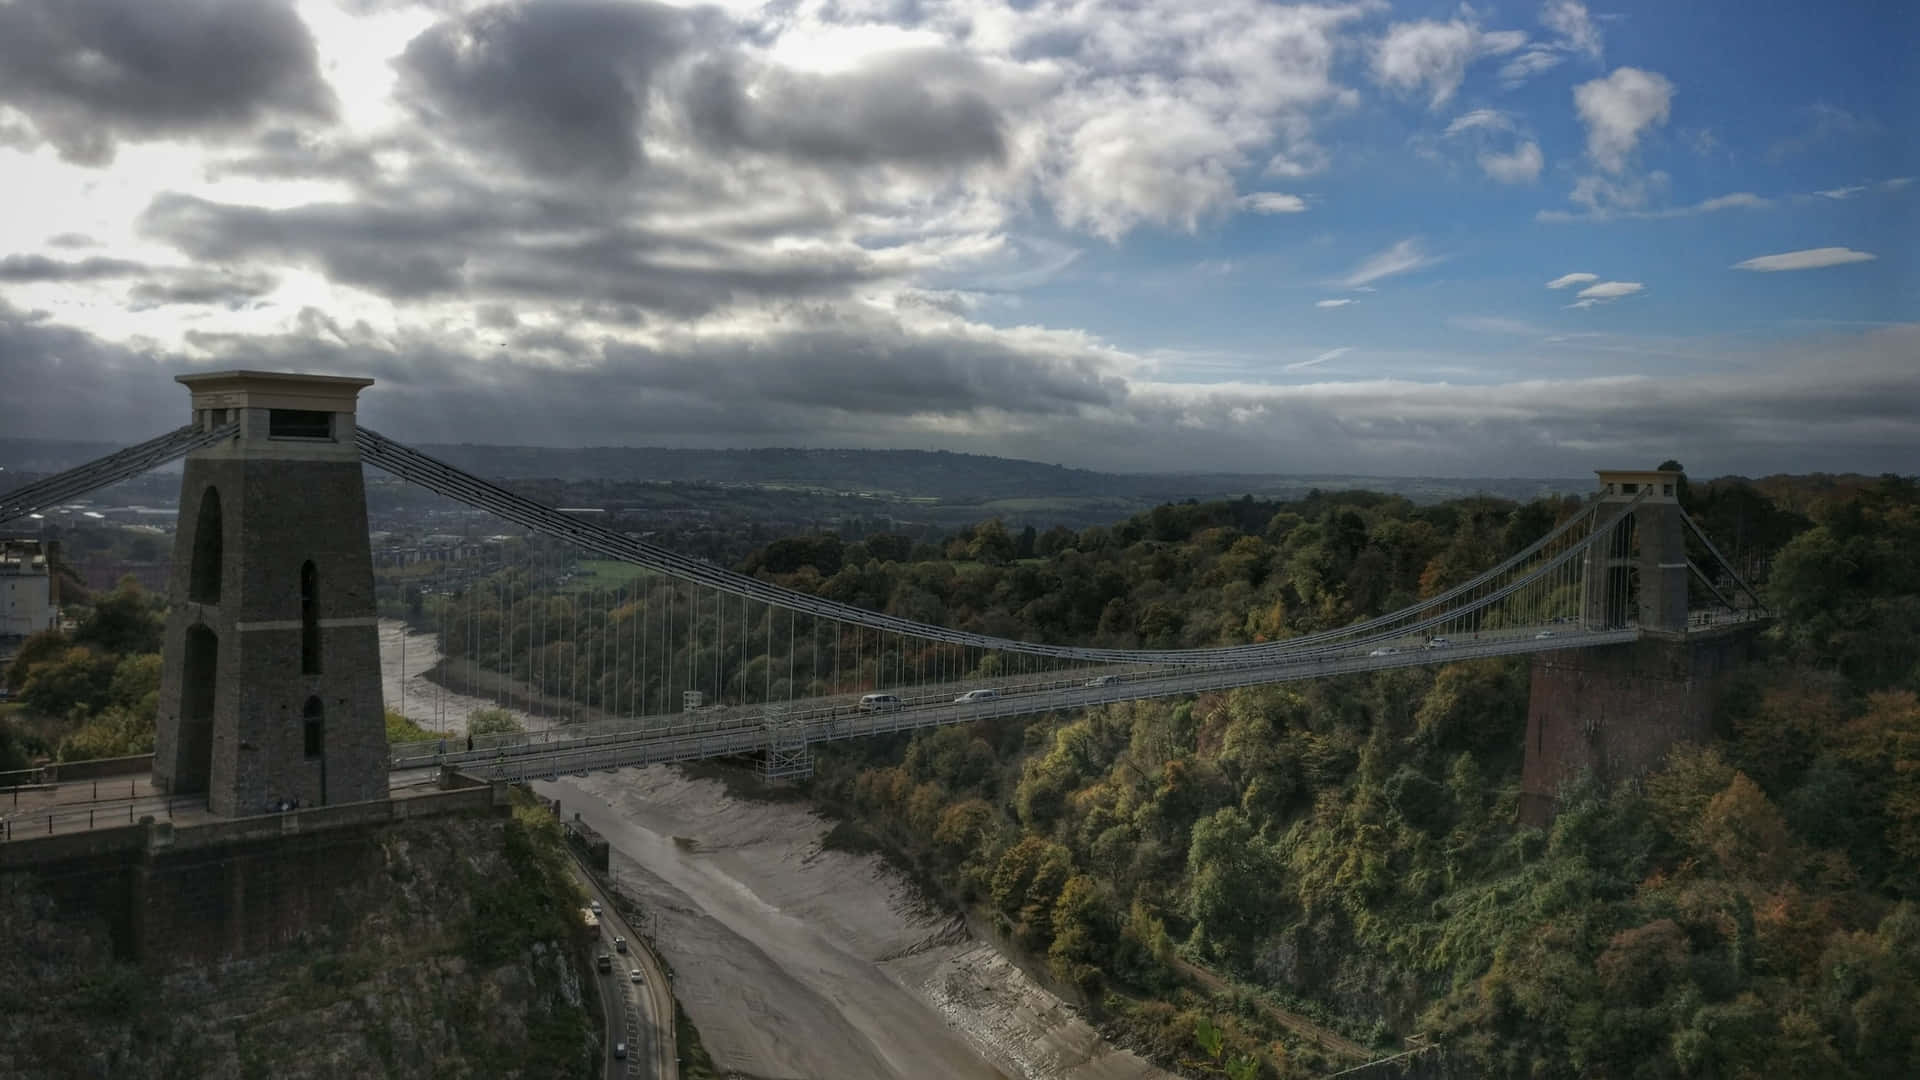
(943,475)
(900,474)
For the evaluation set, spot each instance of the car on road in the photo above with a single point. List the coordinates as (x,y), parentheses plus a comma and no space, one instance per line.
(620,1050)
(1103,680)
(1439,643)
(1388,651)
(606,962)
(1543,635)
(977,695)
(594,906)
(879,703)
(636,977)
(619,944)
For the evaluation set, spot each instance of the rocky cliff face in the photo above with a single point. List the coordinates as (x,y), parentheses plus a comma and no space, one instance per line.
(458,956)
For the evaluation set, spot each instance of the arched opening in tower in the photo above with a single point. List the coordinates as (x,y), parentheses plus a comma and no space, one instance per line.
(309,619)
(200,680)
(314,739)
(203,584)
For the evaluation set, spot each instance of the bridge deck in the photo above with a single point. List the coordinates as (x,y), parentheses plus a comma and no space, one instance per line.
(653,740)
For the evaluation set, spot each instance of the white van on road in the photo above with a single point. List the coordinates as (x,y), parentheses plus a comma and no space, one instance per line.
(977,695)
(880,703)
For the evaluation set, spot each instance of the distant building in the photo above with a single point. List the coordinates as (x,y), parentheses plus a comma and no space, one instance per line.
(29,593)
(103,575)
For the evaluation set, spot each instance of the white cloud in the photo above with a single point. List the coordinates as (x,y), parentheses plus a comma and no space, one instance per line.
(1272,202)
(1480,120)
(1398,259)
(1843,192)
(1434,55)
(1577,278)
(1330,354)
(1617,109)
(1896,183)
(1521,166)
(1570,23)
(1528,64)
(1606,200)
(1164,104)
(1342,302)
(1605,292)
(1810,259)
(1739,200)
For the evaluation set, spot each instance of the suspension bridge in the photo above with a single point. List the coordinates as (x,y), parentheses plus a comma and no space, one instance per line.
(271,622)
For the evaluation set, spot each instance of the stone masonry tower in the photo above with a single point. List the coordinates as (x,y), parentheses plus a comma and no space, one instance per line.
(270,690)
(1649,546)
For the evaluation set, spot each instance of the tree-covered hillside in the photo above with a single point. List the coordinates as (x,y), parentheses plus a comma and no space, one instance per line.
(1347,849)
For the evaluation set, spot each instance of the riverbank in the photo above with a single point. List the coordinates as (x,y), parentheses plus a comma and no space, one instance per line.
(798,960)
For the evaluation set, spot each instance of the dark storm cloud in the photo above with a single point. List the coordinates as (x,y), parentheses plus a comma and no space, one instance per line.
(401,254)
(503,248)
(290,154)
(31,269)
(89,72)
(561,87)
(158,285)
(872,366)
(865,381)
(918,108)
(64,383)
(199,286)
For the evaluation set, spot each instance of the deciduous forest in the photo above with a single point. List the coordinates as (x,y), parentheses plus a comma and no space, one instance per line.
(1214,875)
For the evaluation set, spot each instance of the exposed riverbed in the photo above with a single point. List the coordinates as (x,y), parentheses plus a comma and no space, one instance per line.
(795,961)
(405,659)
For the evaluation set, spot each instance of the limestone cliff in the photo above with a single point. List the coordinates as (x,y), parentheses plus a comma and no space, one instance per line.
(445,948)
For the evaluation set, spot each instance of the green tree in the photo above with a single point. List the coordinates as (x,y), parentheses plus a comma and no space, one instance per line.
(38,648)
(126,620)
(79,681)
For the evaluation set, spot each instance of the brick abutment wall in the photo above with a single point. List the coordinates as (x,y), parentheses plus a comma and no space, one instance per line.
(226,890)
(1614,711)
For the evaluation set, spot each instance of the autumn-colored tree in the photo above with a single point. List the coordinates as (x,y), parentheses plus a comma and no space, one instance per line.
(1744,832)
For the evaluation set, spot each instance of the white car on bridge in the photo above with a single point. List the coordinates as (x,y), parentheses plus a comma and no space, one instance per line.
(977,695)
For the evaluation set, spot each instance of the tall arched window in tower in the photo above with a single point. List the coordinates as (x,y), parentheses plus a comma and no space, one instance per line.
(203,583)
(315,737)
(309,619)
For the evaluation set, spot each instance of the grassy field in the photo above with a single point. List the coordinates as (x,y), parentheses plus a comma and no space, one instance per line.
(603,574)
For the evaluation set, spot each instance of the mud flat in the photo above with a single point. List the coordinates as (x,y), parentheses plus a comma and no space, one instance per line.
(795,961)
(405,659)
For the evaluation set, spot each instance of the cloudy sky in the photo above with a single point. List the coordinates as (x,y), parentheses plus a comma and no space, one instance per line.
(1409,238)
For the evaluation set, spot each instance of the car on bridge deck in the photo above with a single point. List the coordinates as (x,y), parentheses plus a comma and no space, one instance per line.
(1104,680)
(1388,651)
(879,703)
(620,1050)
(637,977)
(1439,643)
(1543,635)
(977,695)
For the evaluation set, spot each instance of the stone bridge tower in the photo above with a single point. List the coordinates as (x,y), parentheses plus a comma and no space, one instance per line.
(1614,711)
(1639,573)
(270,690)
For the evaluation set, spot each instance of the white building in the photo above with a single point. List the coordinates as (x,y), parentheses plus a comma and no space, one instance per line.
(28,600)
